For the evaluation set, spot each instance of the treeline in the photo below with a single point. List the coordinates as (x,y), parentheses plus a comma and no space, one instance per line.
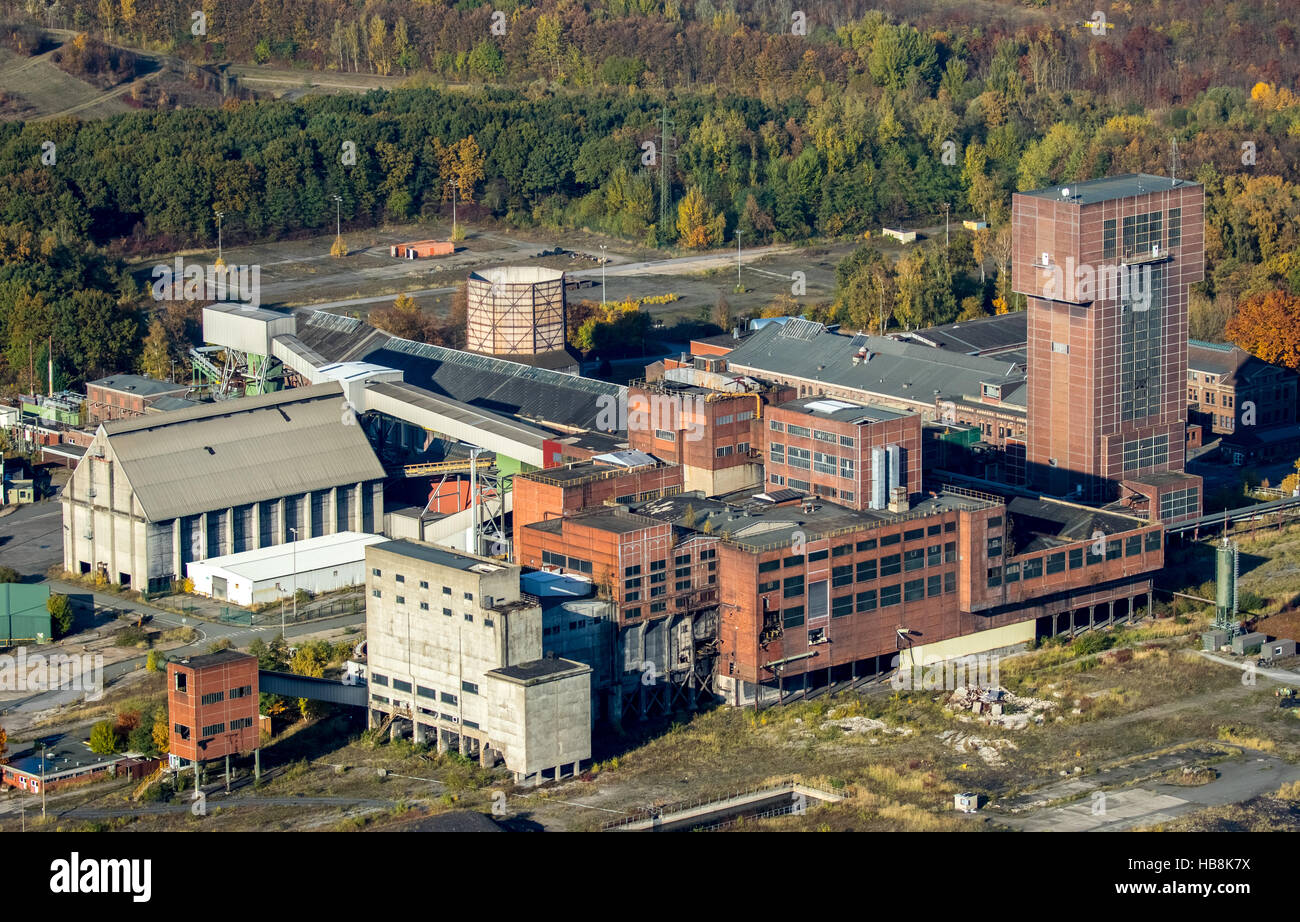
(1151,53)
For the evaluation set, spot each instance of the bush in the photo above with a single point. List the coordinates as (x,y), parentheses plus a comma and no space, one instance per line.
(223,643)
(1093,642)
(60,609)
(9,575)
(130,636)
(104,739)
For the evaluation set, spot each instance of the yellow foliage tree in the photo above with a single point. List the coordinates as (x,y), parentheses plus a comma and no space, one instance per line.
(461,162)
(697,226)
(161,733)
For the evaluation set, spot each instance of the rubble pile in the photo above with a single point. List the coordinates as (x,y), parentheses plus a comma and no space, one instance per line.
(997,707)
(990,750)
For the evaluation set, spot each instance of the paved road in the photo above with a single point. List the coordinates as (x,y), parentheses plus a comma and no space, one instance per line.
(209,632)
(1114,811)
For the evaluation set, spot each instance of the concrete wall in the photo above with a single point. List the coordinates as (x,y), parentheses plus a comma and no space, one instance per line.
(542,724)
(426,647)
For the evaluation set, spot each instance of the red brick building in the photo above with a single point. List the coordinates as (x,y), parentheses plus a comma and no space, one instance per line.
(560,491)
(648,567)
(212,703)
(123,396)
(1106,266)
(715,434)
(842,451)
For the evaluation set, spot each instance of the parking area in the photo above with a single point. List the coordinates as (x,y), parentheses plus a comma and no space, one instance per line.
(31,538)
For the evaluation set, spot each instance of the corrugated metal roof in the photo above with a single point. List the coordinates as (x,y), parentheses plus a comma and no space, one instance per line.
(442,408)
(241,451)
(498,385)
(899,371)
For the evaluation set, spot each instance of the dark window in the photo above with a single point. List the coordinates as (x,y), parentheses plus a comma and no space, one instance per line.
(1091,555)
(867,600)
(841,549)
(769,587)
(913,533)
(995,547)
(632,571)
(792,617)
(841,606)
(818,555)
(934,584)
(867,545)
(793,587)
(792,561)
(950,582)
(1013,573)
(767,566)
(995,522)
(1076,558)
(1033,568)
(890,565)
(995,576)
(914,559)
(949,526)
(890,539)
(950,552)
(866,570)
(933,530)
(469,687)
(1114,549)
(934,555)
(890,595)
(426,692)
(401,685)
(842,576)
(378,679)
(213,697)
(1155,540)
(446,698)
(1056,562)
(914,590)
(659,564)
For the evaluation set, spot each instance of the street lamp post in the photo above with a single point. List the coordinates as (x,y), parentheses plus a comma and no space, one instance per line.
(43,757)
(946,206)
(454,184)
(738,282)
(602,275)
(338,216)
(220,215)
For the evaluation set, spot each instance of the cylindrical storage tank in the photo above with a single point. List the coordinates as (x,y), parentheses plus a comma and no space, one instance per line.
(515,310)
(1225,571)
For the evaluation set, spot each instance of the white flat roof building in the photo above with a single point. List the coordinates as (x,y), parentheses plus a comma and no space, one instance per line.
(272,573)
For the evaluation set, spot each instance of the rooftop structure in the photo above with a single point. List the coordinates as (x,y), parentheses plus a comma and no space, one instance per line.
(879,369)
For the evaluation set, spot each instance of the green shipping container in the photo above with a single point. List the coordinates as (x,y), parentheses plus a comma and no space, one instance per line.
(24,616)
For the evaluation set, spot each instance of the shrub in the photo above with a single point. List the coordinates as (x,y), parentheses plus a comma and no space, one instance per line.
(9,575)
(104,739)
(60,609)
(130,636)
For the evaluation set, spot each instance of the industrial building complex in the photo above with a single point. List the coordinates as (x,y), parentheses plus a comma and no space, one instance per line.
(790,508)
